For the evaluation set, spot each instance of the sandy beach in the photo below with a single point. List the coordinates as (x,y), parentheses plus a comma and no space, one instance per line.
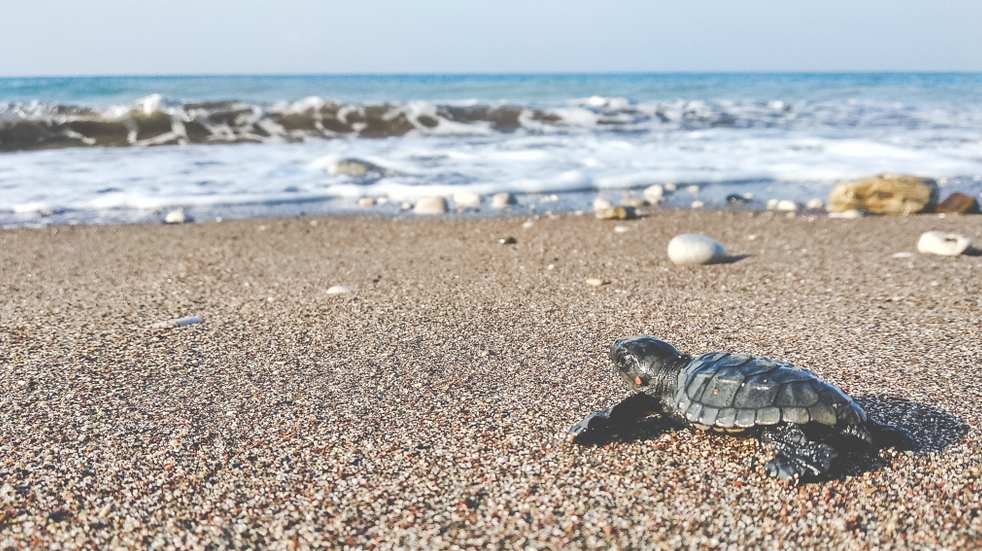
(427,407)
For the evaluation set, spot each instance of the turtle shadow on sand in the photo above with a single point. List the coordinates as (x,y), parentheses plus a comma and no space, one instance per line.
(932,429)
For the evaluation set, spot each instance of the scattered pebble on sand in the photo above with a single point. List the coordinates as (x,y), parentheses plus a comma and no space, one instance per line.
(177,216)
(621,229)
(177,322)
(601,203)
(339,290)
(697,204)
(507,240)
(783,205)
(902,254)
(851,214)
(502,200)
(430,206)
(941,243)
(366,202)
(528,224)
(692,248)
(467,200)
(596,282)
(616,213)
(815,204)
(654,194)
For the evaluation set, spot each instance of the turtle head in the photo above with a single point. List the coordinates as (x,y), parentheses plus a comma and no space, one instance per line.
(647,363)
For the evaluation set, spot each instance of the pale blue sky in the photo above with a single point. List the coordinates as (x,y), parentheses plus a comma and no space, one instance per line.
(68,37)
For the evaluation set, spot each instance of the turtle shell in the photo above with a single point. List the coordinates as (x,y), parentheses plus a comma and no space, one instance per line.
(734,392)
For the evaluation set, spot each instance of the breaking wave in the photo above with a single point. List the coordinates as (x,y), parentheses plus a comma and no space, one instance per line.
(156,121)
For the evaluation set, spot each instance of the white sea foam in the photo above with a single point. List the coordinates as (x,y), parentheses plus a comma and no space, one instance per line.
(770,148)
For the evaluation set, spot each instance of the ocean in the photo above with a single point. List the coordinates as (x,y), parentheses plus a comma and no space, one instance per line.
(127,149)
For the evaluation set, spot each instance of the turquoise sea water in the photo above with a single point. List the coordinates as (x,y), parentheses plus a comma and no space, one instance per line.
(269,145)
(916,88)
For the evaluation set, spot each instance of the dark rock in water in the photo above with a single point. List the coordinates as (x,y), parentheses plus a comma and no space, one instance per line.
(359,169)
(428,121)
(737,199)
(959,203)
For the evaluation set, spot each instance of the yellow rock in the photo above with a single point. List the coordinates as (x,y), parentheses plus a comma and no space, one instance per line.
(885,194)
(616,213)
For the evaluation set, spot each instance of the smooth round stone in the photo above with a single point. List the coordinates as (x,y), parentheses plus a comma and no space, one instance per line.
(616,213)
(815,204)
(339,290)
(848,214)
(601,203)
(366,202)
(176,216)
(467,200)
(431,205)
(694,248)
(502,200)
(653,194)
(945,244)
(782,205)
(697,204)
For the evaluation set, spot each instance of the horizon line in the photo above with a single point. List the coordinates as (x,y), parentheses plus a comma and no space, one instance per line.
(786,72)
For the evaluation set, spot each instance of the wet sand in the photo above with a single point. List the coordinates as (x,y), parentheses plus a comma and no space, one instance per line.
(426,408)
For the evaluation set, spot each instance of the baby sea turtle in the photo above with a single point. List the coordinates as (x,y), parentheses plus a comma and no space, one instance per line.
(808,421)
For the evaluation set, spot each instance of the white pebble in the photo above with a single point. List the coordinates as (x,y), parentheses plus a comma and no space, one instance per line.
(653,194)
(339,290)
(670,187)
(698,204)
(945,244)
(177,322)
(430,205)
(502,200)
(595,282)
(815,204)
(782,205)
(176,216)
(366,202)
(693,189)
(693,248)
(621,229)
(902,254)
(467,200)
(850,214)
(601,203)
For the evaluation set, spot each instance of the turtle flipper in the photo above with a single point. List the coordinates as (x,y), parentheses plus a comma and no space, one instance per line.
(601,425)
(797,456)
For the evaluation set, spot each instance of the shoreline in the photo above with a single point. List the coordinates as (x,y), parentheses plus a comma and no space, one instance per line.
(424,407)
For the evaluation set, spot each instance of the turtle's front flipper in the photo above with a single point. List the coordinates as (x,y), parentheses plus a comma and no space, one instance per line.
(797,457)
(600,425)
